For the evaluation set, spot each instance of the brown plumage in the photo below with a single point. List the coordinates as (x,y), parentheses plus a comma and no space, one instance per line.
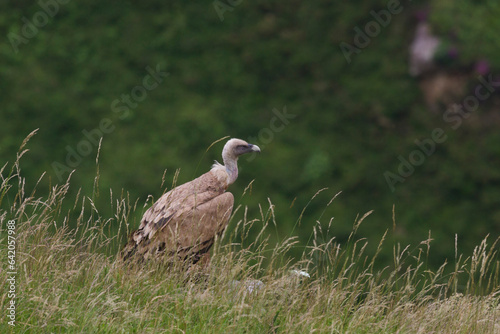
(185,221)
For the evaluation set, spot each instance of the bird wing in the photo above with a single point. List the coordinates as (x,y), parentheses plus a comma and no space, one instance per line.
(193,233)
(186,215)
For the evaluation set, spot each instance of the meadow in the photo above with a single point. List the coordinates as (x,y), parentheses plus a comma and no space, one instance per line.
(72,280)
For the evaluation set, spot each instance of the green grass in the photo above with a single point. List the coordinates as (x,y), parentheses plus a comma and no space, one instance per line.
(70,280)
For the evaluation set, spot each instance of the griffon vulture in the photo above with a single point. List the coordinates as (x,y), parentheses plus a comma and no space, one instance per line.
(185,220)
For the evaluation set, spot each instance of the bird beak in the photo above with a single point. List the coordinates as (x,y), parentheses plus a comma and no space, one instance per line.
(254,148)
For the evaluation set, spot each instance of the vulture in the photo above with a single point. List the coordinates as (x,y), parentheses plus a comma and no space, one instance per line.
(184,222)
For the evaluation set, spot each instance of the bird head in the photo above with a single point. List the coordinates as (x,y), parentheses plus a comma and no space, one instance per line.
(236,147)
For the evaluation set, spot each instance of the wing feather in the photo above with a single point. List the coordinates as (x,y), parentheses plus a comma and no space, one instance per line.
(186,219)
(193,234)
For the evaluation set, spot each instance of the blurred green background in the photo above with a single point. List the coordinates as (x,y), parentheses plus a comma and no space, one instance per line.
(232,68)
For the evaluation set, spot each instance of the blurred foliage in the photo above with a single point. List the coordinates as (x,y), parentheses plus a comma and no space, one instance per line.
(351,121)
(471,26)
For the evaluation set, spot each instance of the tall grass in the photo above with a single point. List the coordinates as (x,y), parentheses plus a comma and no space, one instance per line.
(72,280)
